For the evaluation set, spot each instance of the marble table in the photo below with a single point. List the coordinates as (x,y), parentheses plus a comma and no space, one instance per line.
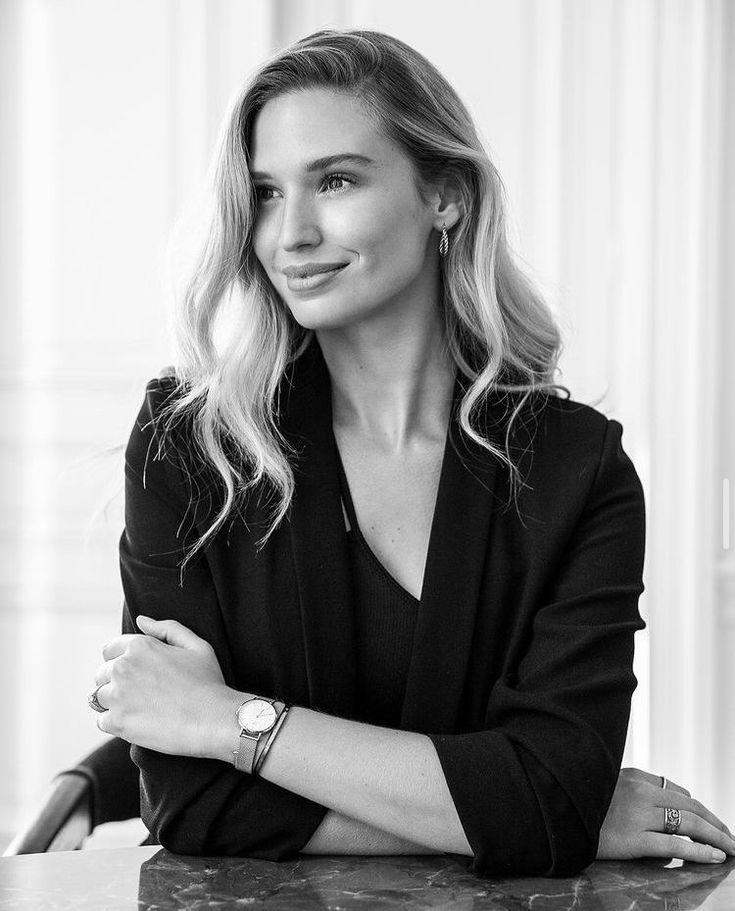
(152,879)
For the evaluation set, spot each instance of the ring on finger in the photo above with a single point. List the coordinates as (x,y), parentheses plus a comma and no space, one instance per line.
(672,820)
(94,702)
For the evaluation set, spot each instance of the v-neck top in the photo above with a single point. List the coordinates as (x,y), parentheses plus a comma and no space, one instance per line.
(385,619)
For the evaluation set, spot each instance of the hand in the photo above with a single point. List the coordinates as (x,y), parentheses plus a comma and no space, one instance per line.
(163,690)
(634,825)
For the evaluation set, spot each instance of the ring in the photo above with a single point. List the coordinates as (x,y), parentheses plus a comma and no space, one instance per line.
(672,820)
(94,702)
(664,782)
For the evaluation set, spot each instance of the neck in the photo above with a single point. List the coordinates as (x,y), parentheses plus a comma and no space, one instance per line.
(392,390)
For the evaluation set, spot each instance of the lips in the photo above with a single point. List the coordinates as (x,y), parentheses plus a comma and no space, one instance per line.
(317,279)
(309,269)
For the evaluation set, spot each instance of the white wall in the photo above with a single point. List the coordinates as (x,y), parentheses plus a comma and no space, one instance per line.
(606,120)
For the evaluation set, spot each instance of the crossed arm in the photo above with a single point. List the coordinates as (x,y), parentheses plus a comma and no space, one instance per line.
(390,780)
(338,834)
(384,788)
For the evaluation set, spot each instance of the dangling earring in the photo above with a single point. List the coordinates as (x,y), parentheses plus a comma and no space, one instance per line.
(444,242)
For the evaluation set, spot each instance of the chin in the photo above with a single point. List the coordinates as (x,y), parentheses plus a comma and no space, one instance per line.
(323,314)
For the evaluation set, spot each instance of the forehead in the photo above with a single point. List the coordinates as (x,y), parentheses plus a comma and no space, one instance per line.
(296,128)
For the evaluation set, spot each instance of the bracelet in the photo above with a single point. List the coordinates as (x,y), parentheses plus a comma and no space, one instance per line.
(269,741)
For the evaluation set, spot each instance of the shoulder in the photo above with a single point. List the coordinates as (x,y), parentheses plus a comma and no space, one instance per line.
(562,446)
(158,437)
(544,420)
(560,412)
(578,432)
(159,392)
(571,425)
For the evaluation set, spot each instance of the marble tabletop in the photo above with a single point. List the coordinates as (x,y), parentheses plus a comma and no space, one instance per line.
(152,879)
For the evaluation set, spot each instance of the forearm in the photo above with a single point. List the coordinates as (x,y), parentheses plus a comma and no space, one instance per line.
(390,780)
(338,834)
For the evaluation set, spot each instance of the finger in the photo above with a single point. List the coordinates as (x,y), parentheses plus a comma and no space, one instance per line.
(694,827)
(677,788)
(102,674)
(641,775)
(681,802)
(170,631)
(104,723)
(117,646)
(656,845)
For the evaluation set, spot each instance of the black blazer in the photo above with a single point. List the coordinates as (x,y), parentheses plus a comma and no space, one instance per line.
(521,672)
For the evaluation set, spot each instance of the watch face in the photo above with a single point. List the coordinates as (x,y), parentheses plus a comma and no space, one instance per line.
(256,716)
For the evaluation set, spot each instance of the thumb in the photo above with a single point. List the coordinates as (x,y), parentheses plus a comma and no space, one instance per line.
(169,631)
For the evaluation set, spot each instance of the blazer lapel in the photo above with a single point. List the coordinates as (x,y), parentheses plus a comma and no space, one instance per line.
(455,565)
(319,542)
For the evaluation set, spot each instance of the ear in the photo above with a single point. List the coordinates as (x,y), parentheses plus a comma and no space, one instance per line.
(447,203)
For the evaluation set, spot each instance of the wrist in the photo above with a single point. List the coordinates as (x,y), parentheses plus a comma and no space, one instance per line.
(226,729)
(225,738)
(258,719)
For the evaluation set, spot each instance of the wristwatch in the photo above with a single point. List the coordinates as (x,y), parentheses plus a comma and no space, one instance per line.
(256,716)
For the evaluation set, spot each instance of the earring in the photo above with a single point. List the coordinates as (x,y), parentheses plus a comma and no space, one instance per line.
(444,242)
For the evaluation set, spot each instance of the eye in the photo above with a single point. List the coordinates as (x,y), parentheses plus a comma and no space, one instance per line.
(259,191)
(331,178)
(331,181)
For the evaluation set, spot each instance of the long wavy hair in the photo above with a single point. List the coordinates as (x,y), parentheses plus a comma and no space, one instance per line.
(498,329)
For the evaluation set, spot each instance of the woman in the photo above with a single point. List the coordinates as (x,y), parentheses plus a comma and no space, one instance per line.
(381,582)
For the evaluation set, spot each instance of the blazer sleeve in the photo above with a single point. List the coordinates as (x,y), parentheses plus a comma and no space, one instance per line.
(533,787)
(191,806)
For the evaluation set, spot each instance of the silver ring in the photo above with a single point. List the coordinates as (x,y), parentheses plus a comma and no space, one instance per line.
(94,702)
(664,782)
(672,820)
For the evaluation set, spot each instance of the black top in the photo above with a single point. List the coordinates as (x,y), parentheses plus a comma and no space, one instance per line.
(521,669)
(385,618)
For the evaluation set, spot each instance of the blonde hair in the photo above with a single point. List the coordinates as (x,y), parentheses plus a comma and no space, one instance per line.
(499,331)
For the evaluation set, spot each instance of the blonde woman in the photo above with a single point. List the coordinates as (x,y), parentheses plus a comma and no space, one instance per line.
(381,580)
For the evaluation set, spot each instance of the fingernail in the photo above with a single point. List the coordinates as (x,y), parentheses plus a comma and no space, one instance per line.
(718,855)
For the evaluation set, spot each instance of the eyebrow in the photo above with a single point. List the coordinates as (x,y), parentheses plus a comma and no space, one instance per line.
(319,164)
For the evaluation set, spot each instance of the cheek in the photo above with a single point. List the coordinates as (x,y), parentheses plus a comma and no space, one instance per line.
(398,248)
(385,233)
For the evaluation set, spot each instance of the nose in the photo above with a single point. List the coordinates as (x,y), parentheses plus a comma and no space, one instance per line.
(298,224)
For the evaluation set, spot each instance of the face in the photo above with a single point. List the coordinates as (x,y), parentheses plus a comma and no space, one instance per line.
(362,217)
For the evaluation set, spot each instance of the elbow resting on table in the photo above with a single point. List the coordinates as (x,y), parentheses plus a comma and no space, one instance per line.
(575,856)
(564,851)
(571,840)
(179,838)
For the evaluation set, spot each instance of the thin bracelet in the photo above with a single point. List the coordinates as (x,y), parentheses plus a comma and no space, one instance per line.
(276,728)
(269,741)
